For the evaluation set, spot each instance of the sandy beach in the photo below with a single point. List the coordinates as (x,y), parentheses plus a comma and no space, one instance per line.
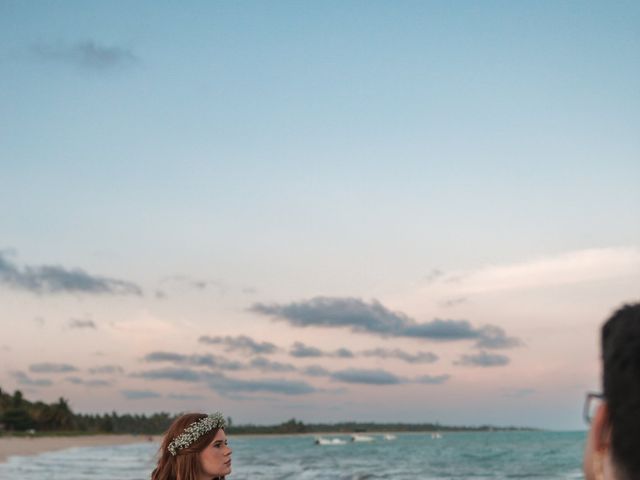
(32,446)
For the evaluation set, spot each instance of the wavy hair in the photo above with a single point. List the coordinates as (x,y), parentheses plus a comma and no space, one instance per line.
(184,465)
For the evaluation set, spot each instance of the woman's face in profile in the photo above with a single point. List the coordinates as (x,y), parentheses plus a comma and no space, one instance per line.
(215,459)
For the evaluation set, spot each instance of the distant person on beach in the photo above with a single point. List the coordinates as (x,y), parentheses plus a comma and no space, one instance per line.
(194,448)
(613,444)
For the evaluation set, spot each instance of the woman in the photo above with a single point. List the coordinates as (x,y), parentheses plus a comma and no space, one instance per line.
(194,448)
(613,445)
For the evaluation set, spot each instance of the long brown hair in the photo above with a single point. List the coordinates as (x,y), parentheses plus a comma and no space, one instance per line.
(184,465)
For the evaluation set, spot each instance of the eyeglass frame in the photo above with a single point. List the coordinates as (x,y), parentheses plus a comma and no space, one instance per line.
(587,402)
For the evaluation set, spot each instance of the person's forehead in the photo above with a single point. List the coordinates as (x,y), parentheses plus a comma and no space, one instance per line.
(220,435)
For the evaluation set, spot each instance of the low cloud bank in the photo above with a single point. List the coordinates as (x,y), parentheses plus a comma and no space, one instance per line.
(374,318)
(51,279)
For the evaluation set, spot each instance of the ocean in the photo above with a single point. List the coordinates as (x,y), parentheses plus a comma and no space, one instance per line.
(477,456)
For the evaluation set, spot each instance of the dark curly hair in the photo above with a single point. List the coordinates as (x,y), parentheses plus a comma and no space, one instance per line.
(621,384)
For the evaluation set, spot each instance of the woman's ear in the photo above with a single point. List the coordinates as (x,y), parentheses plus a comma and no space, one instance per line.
(601,429)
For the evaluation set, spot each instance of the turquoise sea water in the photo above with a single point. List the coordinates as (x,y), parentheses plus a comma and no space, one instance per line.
(478,456)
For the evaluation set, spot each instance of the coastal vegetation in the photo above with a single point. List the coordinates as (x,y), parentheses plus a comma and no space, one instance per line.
(21,416)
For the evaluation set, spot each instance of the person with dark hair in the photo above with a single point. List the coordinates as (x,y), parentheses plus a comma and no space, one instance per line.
(613,445)
(194,448)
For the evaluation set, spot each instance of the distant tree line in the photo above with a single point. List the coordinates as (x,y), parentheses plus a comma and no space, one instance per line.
(18,415)
(294,426)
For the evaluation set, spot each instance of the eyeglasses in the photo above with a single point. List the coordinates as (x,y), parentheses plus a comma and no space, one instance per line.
(591,404)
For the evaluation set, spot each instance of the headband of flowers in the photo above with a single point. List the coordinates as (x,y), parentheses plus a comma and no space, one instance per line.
(194,431)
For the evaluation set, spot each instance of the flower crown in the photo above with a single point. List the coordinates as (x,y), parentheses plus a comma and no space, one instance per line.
(194,431)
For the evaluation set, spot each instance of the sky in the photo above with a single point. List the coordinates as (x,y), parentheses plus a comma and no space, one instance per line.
(389,211)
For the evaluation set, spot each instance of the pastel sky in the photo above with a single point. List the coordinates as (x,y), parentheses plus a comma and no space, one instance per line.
(392,211)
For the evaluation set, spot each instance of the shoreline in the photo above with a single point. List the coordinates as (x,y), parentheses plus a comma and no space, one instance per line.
(27,446)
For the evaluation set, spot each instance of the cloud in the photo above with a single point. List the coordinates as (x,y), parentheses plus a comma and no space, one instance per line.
(371,377)
(225,385)
(139,394)
(229,386)
(211,361)
(343,353)
(82,323)
(368,377)
(199,284)
(374,318)
(568,268)
(315,371)
(50,279)
(176,374)
(442,330)
(215,362)
(493,337)
(23,379)
(88,383)
(337,312)
(454,302)
(267,365)
(433,379)
(433,275)
(483,359)
(165,357)
(241,343)
(183,396)
(300,350)
(195,284)
(52,368)
(88,55)
(106,370)
(420,357)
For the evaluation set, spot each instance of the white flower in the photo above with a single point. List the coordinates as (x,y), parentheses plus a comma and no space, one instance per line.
(194,431)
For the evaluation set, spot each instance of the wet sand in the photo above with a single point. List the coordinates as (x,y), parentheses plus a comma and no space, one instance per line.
(34,445)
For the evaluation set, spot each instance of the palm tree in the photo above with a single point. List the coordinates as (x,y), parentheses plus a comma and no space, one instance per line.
(61,415)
